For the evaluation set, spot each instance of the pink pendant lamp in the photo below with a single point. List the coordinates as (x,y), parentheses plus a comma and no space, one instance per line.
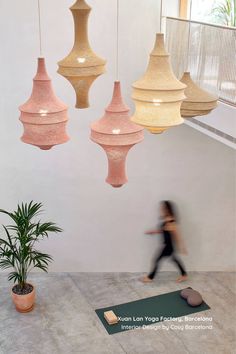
(43,116)
(116,134)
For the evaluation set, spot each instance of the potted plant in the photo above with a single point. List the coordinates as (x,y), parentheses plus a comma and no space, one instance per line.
(17,251)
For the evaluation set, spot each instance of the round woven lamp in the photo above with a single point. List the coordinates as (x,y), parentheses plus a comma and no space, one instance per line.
(158,94)
(198,102)
(43,116)
(116,134)
(82,66)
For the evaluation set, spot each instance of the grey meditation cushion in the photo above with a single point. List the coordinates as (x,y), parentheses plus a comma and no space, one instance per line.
(193,297)
(186,292)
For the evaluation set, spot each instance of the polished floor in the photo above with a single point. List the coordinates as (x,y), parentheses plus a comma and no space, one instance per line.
(64,321)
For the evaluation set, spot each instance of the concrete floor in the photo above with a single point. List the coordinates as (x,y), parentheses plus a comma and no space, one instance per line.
(64,321)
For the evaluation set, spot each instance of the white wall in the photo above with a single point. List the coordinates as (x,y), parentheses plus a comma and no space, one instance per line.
(223,118)
(103,227)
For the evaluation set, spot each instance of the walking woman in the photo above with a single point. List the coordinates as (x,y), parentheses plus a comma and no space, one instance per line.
(171,239)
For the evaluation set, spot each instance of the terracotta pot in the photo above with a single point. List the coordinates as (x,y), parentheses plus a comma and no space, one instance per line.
(24,303)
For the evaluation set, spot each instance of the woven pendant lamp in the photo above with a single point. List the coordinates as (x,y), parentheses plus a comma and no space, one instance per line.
(198,102)
(116,134)
(158,94)
(43,116)
(82,66)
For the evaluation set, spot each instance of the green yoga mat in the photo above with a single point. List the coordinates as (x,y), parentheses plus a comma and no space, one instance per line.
(155,308)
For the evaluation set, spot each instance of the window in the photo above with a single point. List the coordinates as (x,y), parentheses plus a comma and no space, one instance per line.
(221,12)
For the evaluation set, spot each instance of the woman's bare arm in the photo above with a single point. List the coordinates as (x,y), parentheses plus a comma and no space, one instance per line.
(173,228)
(153,232)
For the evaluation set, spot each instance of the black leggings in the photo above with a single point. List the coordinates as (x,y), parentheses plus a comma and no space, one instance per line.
(166,252)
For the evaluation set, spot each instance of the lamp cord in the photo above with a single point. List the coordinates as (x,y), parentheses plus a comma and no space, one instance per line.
(161,16)
(189,34)
(40,32)
(117,39)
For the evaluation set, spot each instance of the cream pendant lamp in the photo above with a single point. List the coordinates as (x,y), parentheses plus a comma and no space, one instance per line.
(43,116)
(158,94)
(82,66)
(198,102)
(115,132)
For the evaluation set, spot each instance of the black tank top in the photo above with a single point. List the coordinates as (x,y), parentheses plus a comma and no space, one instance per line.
(167,236)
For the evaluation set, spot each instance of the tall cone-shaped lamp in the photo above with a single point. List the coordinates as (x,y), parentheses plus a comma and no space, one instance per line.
(82,66)
(43,116)
(116,134)
(198,102)
(158,94)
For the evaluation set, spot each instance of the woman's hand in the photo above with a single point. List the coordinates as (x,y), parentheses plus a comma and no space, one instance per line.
(172,227)
(183,251)
(152,232)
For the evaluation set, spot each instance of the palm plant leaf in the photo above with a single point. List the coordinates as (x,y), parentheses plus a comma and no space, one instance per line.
(45,228)
(5,263)
(234,13)
(225,10)
(15,276)
(9,238)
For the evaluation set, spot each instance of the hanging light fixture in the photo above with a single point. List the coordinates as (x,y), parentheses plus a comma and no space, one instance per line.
(82,66)
(198,102)
(115,132)
(43,116)
(158,94)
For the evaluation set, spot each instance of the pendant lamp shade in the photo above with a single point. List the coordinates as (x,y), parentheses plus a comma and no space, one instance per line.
(43,116)
(158,94)
(116,134)
(82,66)
(198,102)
